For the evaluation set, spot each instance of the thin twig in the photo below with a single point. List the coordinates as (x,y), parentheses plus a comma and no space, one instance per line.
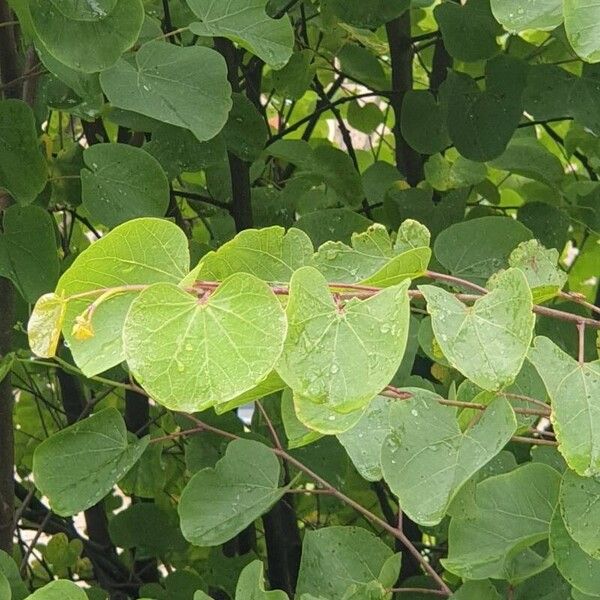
(581,348)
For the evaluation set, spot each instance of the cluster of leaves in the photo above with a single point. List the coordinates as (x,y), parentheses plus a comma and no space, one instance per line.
(305,299)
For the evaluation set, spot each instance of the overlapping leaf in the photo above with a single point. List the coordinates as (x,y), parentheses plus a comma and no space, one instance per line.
(139,252)
(342,356)
(513,512)
(192,353)
(574,390)
(426,459)
(488,341)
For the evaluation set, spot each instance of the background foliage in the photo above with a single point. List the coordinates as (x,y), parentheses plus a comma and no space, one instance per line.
(374,225)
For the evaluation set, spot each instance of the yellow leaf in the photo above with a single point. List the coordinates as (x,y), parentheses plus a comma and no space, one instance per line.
(45,325)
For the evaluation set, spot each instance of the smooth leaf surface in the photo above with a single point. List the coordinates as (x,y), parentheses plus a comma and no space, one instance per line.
(139,252)
(477,248)
(87,45)
(186,87)
(581,570)
(322,418)
(271,254)
(330,561)
(367,13)
(23,170)
(364,441)
(28,253)
(513,512)
(486,342)
(520,15)
(45,324)
(579,508)
(121,182)
(582,28)
(218,503)
(426,459)
(342,356)
(190,354)
(246,22)
(251,585)
(59,590)
(103,453)
(574,391)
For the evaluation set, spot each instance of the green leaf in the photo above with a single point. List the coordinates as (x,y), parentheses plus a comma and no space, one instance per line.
(488,341)
(218,503)
(122,182)
(140,252)
(338,355)
(85,10)
(476,590)
(295,78)
(269,385)
(191,353)
(10,570)
(297,433)
(578,501)
(580,569)
(245,132)
(477,248)
(59,590)
(251,585)
(19,148)
(574,390)
(362,65)
(539,265)
(369,14)
(520,15)
(482,123)
(528,157)
(334,558)
(332,224)
(322,418)
(186,87)
(583,28)
(45,325)
(364,441)
(28,253)
(178,149)
(548,91)
(513,512)
(426,459)
(83,44)
(423,122)
(103,454)
(469,30)
(365,117)
(442,174)
(271,254)
(5,591)
(373,260)
(246,22)
(61,553)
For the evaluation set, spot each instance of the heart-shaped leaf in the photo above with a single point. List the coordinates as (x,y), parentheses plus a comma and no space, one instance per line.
(574,391)
(103,454)
(486,342)
(218,503)
(140,252)
(192,353)
(186,87)
(426,459)
(512,513)
(246,22)
(342,355)
(251,585)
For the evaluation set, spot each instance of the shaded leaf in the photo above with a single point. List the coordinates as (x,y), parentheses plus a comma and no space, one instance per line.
(251,585)
(218,503)
(103,454)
